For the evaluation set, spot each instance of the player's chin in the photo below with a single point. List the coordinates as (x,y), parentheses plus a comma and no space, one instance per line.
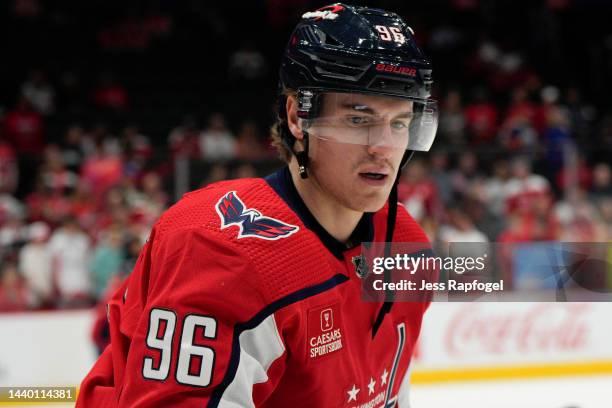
(373,202)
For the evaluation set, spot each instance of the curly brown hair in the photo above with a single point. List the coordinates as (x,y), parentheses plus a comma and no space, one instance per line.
(280,127)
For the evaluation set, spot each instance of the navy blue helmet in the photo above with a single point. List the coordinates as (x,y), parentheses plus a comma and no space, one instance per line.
(344,48)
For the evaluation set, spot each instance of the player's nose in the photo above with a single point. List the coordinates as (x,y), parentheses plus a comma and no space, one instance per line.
(380,141)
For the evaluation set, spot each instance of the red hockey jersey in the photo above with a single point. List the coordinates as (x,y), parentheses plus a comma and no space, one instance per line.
(241,299)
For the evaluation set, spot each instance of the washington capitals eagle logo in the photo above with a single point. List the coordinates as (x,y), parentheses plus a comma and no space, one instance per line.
(251,222)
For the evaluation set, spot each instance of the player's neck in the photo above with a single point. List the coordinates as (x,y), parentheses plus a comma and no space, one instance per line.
(338,220)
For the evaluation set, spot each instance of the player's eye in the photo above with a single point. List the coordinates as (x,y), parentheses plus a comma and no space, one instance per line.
(358,120)
(400,124)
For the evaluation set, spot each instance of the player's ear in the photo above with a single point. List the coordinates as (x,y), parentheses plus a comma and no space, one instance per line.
(292,118)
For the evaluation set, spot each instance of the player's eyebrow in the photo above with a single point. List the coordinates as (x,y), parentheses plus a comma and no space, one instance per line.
(356,106)
(363,108)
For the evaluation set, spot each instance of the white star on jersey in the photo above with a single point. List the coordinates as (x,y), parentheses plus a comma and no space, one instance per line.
(353,393)
(371,386)
(383,377)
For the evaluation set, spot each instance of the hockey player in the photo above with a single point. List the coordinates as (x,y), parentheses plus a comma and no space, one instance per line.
(248,292)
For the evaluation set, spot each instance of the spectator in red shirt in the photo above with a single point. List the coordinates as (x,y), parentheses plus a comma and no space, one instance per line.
(525,191)
(24,128)
(9,173)
(102,171)
(418,192)
(46,205)
(577,174)
(83,207)
(481,117)
(14,293)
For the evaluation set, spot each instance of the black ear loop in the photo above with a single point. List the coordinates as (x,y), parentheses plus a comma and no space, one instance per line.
(302,157)
(286,137)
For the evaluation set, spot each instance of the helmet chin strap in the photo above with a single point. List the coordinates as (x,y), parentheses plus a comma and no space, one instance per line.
(391,218)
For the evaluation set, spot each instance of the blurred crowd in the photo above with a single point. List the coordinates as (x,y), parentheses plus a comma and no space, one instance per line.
(74,214)
(89,160)
(517,173)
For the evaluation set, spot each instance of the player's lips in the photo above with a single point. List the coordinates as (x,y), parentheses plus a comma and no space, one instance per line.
(374,175)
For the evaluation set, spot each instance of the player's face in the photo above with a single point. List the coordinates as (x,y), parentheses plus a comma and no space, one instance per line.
(357,146)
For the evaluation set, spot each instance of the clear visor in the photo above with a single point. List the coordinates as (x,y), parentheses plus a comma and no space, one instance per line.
(374,120)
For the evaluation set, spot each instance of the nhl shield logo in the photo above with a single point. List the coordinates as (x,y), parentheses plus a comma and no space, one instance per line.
(361,267)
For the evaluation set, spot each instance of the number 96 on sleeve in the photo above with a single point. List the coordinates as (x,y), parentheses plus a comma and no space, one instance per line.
(36,394)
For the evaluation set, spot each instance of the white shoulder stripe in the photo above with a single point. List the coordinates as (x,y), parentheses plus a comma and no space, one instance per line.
(259,348)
